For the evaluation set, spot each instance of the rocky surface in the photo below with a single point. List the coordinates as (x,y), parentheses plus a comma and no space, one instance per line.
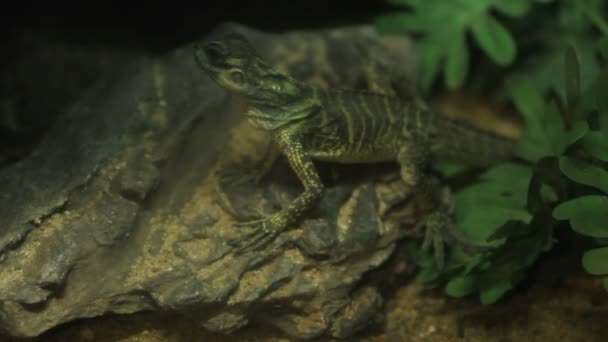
(120,208)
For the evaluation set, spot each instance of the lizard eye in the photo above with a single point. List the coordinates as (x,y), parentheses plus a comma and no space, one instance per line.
(237,77)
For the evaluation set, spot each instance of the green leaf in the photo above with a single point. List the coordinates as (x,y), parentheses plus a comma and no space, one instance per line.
(501,192)
(555,134)
(491,294)
(595,261)
(528,100)
(573,84)
(602,100)
(427,275)
(460,286)
(430,58)
(511,229)
(545,133)
(397,23)
(457,62)
(604,47)
(596,143)
(515,174)
(494,39)
(513,8)
(478,227)
(522,251)
(588,215)
(578,131)
(584,173)
(547,180)
(545,66)
(450,169)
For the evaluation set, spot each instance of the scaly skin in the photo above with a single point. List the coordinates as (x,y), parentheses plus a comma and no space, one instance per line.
(342,126)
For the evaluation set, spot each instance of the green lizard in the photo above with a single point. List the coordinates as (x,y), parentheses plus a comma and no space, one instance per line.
(344,126)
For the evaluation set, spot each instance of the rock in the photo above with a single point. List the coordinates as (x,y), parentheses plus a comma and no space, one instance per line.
(121,207)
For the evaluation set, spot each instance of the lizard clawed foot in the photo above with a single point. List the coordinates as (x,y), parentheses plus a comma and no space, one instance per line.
(255,234)
(440,231)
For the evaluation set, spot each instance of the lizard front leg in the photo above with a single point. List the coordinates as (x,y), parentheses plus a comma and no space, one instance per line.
(264,230)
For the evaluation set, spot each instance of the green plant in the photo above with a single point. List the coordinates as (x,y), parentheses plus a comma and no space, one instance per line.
(547,57)
(516,36)
(563,175)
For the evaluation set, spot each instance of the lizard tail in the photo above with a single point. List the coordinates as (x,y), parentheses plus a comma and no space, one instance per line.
(461,141)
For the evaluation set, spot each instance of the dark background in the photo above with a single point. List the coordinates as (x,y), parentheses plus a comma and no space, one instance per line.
(165,24)
(51,51)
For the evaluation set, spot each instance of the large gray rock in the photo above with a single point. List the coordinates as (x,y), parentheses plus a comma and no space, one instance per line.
(122,208)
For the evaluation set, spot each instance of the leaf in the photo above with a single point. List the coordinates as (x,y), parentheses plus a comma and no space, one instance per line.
(588,215)
(584,173)
(572,83)
(604,47)
(512,8)
(545,66)
(595,261)
(450,169)
(397,23)
(478,227)
(555,134)
(596,143)
(547,180)
(509,173)
(457,62)
(521,252)
(494,39)
(534,143)
(492,275)
(430,58)
(578,131)
(498,197)
(511,229)
(527,99)
(492,294)
(460,286)
(426,275)
(602,100)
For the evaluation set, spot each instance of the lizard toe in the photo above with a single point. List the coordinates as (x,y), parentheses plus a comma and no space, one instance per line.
(257,235)
(441,233)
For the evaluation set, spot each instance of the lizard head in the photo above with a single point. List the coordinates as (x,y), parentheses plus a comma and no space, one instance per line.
(276,98)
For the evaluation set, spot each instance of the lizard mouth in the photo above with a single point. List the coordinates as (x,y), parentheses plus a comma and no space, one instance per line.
(255,113)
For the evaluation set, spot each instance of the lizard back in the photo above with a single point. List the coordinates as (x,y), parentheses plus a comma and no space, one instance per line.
(360,126)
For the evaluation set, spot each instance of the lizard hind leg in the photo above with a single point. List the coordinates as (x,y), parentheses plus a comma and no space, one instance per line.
(439,228)
(254,235)
(441,232)
(412,159)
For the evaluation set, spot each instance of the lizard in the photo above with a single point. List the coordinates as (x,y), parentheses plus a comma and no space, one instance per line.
(310,124)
